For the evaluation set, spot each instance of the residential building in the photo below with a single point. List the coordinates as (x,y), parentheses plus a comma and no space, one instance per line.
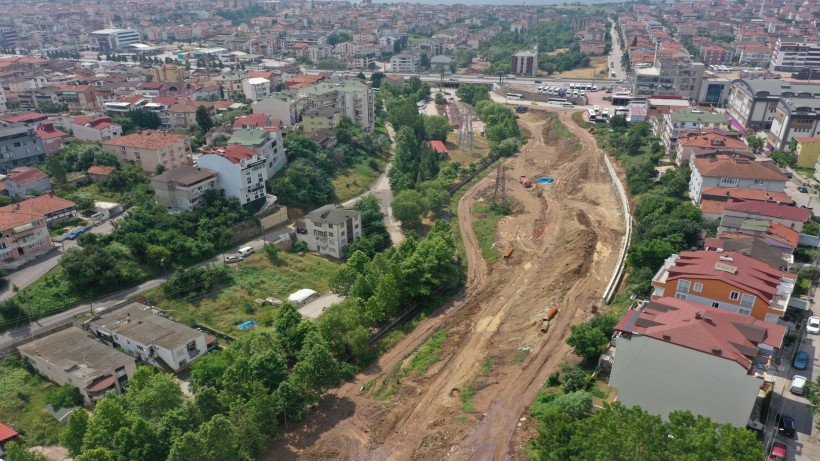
(714,91)
(328,229)
(351,98)
(752,102)
(260,121)
(242,173)
(168,73)
(808,151)
(751,246)
(146,335)
(714,54)
(107,40)
(753,55)
(593,40)
(182,113)
(23,237)
(231,85)
(73,357)
(149,149)
(737,212)
(3,101)
(182,188)
(266,142)
(794,54)
(52,208)
(701,142)
(256,88)
(123,106)
(679,121)
(713,199)
(729,281)
(525,63)
(726,171)
(793,117)
(99,173)
(25,180)
(671,355)
(95,129)
(51,137)
(404,63)
(320,118)
(672,74)
(285,105)
(19,145)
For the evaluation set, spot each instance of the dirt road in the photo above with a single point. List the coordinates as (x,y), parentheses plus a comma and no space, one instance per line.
(495,358)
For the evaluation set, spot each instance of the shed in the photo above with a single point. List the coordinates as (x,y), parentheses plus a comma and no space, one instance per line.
(303,296)
(6,434)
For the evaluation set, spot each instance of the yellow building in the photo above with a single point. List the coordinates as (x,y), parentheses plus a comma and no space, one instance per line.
(168,73)
(807,152)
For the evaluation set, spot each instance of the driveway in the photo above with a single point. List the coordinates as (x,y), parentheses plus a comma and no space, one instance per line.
(808,199)
(315,308)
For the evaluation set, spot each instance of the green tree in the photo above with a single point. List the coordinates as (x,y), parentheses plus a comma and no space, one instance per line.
(473,93)
(651,253)
(316,370)
(56,169)
(15,452)
(152,394)
(109,417)
(784,159)
(440,100)
(74,432)
(287,322)
(408,208)
(587,341)
(618,122)
(187,447)
(203,119)
(755,143)
(424,61)
(436,127)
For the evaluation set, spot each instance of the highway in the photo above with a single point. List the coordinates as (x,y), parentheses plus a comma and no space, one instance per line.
(487,80)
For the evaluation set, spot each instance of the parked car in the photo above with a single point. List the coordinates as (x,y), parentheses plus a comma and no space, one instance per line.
(246,251)
(803,189)
(778,452)
(786,425)
(788,174)
(798,384)
(75,233)
(233,259)
(801,361)
(813,325)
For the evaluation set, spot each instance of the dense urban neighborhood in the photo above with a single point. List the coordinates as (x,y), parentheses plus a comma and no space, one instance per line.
(313,230)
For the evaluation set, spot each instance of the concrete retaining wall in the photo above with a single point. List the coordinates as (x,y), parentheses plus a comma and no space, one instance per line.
(609,293)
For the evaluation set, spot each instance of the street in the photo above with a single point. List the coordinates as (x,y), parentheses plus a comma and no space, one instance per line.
(616,55)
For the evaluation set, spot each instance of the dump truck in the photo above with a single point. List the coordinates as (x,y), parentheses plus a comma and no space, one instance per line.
(524,181)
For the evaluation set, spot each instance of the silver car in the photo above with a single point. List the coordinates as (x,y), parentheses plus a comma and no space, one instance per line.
(813,325)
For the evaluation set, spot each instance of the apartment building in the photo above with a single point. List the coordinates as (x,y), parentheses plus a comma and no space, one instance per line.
(149,149)
(168,73)
(404,63)
(525,63)
(51,137)
(144,334)
(673,74)
(700,142)
(793,54)
(25,180)
(729,172)
(267,142)
(182,188)
(53,209)
(107,40)
(3,101)
(679,121)
(752,102)
(231,85)
(23,237)
(256,88)
(283,105)
(725,280)
(673,354)
(242,173)
(793,118)
(95,128)
(320,118)
(350,98)
(19,146)
(328,229)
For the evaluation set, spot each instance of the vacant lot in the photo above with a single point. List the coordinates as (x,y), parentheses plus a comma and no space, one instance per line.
(466,156)
(598,67)
(255,278)
(22,404)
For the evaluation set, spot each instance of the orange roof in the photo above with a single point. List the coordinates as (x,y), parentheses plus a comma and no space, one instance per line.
(438,146)
(711,138)
(26,175)
(6,433)
(233,153)
(784,234)
(12,219)
(147,140)
(724,166)
(712,206)
(803,140)
(747,194)
(101,170)
(41,205)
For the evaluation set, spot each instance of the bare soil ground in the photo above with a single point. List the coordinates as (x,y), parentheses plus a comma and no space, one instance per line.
(597,65)
(565,248)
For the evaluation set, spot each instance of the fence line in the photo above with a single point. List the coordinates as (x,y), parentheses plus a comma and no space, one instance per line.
(609,293)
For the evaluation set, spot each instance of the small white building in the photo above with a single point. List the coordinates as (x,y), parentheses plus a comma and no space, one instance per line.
(242,173)
(303,296)
(328,229)
(256,88)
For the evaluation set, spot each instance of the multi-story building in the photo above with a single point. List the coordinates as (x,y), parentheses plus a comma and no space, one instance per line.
(231,85)
(107,40)
(53,209)
(404,63)
(149,149)
(350,98)
(19,146)
(3,101)
(52,138)
(242,173)
(792,54)
(23,237)
(725,280)
(754,217)
(168,73)
(286,106)
(330,228)
(146,335)
(525,63)
(256,88)
(25,180)
(714,54)
(8,36)
(700,142)
(752,102)
(95,129)
(72,357)
(793,117)
(672,74)
(182,188)
(671,355)
(753,55)
(730,172)
(679,121)
(267,142)
(323,118)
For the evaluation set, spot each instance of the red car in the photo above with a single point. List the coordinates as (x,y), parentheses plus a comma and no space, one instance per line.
(778,452)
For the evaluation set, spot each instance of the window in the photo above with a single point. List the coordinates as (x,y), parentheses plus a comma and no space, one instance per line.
(683,285)
(734,295)
(715,304)
(680,296)
(698,287)
(744,311)
(748,301)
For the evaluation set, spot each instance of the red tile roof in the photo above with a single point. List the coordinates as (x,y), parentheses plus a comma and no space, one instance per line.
(717,332)
(747,194)
(724,166)
(711,138)
(41,205)
(28,117)
(257,120)
(234,153)
(6,433)
(101,170)
(807,139)
(769,209)
(103,384)
(783,234)
(147,140)
(26,175)
(47,131)
(439,147)
(712,206)
(12,219)
(741,271)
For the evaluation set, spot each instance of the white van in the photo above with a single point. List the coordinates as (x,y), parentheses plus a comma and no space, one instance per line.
(246,251)
(798,383)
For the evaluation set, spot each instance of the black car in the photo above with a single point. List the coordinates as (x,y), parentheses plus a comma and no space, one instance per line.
(786,425)
(803,189)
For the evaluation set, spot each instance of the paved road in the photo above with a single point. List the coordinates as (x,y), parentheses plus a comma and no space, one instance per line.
(616,54)
(315,308)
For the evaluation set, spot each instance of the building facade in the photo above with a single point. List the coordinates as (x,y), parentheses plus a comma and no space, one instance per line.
(19,146)
(752,102)
(242,173)
(329,229)
(23,236)
(728,172)
(793,54)
(95,129)
(793,118)
(182,188)
(149,149)
(267,142)
(168,73)
(405,63)
(256,88)
(350,98)
(673,74)
(525,63)
(107,40)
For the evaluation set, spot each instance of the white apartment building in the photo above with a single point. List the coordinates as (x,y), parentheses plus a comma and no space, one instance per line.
(725,171)
(794,117)
(106,40)
(405,63)
(793,54)
(256,88)
(672,74)
(752,102)
(350,98)
(241,171)
(330,228)
(95,129)
(149,149)
(265,142)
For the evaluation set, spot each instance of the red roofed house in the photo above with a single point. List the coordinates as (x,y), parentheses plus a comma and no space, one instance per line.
(23,236)
(95,129)
(27,118)
(241,171)
(672,354)
(699,142)
(149,149)
(7,434)
(726,171)
(100,173)
(52,137)
(252,121)
(439,147)
(728,281)
(52,208)
(736,212)
(24,179)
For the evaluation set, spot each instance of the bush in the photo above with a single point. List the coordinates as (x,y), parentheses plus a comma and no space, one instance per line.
(300,247)
(64,397)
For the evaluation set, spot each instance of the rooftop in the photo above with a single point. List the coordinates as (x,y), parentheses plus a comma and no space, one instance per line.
(711,138)
(769,209)
(256,120)
(41,205)
(101,170)
(140,324)
(147,140)
(725,166)
(185,175)
(331,214)
(751,246)
(438,146)
(233,152)
(23,175)
(747,194)
(694,115)
(343,86)
(248,137)
(6,433)
(716,332)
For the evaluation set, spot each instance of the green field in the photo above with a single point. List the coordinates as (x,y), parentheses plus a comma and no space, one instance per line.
(356,180)
(484,226)
(22,404)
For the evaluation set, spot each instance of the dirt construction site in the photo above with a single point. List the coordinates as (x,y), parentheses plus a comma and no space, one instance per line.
(470,404)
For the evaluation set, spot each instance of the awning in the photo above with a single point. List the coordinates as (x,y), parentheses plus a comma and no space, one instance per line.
(102,385)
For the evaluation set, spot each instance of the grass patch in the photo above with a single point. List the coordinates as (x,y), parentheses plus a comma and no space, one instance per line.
(807,172)
(562,131)
(419,363)
(59,228)
(519,356)
(484,226)
(466,157)
(427,355)
(468,394)
(256,277)
(356,180)
(22,404)
(578,118)
(461,419)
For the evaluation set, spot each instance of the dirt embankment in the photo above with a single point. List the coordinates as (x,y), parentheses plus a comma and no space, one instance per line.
(468,405)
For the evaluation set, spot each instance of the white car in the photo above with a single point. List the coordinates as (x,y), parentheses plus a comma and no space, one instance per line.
(798,383)
(813,325)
